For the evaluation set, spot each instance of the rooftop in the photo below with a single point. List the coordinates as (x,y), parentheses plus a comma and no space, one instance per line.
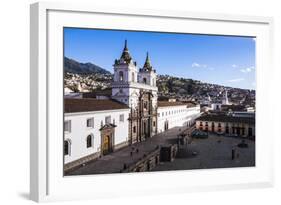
(226,118)
(106,92)
(177,103)
(89,104)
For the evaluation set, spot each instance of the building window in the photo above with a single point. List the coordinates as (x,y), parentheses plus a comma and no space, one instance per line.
(121,76)
(206,126)
(121,118)
(250,132)
(219,125)
(145,105)
(227,129)
(134,129)
(144,80)
(66,147)
(158,114)
(90,122)
(107,119)
(201,123)
(133,77)
(154,124)
(89,141)
(67,126)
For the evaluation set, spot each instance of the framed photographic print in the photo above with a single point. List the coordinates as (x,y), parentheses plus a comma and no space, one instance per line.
(142,101)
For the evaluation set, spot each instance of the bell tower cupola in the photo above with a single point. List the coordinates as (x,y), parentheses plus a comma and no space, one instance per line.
(147,75)
(125,69)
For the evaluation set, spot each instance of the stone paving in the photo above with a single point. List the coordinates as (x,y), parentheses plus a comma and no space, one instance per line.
(114,162)
(213,152)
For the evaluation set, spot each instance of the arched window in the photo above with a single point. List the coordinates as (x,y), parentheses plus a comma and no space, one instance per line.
(121,76)
(89,141)
(144,80)
(66,147)
(133,77)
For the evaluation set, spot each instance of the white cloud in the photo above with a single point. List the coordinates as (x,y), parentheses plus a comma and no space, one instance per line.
(236,80)
(248,69)
(197,65)
(254,39)
(234,66)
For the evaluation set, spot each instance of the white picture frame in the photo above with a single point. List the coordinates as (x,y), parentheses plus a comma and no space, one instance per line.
(46,176)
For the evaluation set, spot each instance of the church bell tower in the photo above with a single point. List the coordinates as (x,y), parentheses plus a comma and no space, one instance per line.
(125,75)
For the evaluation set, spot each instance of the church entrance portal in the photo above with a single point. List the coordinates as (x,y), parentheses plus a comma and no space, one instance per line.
(106,145)
(107,138)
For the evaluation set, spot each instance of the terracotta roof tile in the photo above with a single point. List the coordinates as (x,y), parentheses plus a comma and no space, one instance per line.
(226,118)
(89,104)
(177,103)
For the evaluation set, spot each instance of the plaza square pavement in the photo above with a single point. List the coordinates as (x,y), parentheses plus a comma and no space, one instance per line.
(213,152)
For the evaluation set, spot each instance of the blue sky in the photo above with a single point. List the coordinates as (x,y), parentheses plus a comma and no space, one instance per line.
(225,60)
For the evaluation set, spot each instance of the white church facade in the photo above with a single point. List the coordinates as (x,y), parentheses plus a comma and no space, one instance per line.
(96,127)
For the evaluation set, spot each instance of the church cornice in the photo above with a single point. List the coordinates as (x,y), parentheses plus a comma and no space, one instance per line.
(133,85)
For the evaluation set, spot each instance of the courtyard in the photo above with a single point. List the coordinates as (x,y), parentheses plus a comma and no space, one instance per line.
(213,152)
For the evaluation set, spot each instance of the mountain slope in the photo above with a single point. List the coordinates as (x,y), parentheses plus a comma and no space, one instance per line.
(72,66)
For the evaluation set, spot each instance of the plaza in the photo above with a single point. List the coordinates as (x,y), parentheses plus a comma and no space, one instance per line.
(212,152)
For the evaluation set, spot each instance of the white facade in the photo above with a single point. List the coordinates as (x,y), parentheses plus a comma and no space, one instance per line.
(173,116)
(77,136)
(128,81)
(216,106)
(225,100)
(128,93)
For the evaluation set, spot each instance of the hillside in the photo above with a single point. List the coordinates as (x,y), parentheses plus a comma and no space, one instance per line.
(88,77)
(72,66)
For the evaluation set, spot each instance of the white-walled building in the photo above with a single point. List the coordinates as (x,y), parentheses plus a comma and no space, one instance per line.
(174,114)
(93,128)
(243,126)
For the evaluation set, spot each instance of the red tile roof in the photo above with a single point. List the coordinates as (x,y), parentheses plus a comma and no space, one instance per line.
(177,103)
(89,104)
(226,118)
